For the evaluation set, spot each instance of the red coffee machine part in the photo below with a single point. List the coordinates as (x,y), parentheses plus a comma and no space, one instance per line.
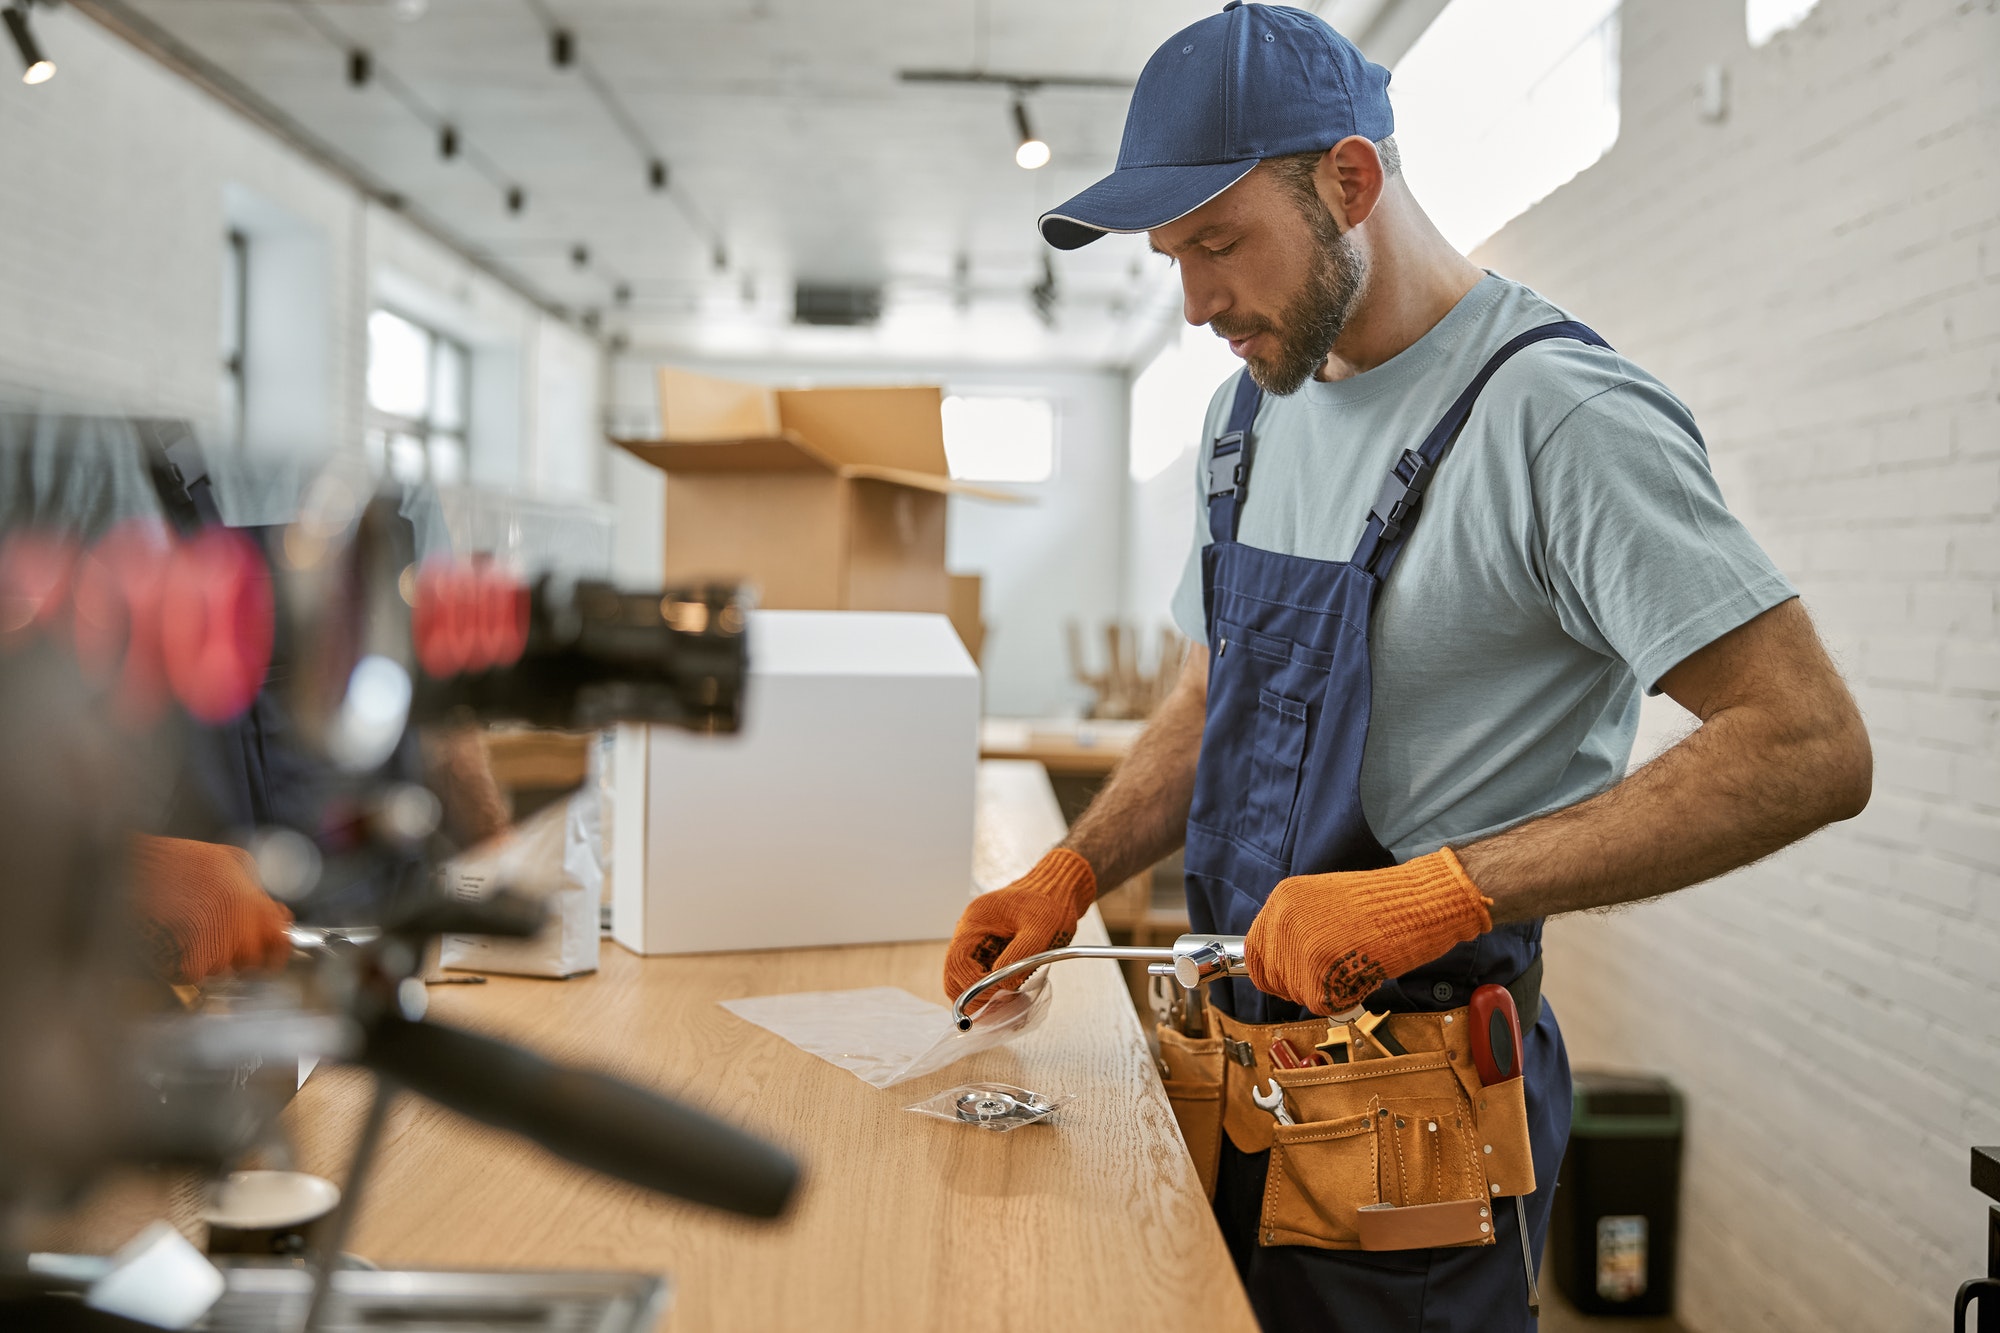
(216,623)
(117,622)
(503,617)
(468,618)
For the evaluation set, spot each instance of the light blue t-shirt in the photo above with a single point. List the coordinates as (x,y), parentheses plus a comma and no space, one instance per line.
(1573,546)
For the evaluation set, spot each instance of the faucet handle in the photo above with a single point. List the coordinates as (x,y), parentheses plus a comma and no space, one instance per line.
(1199,959)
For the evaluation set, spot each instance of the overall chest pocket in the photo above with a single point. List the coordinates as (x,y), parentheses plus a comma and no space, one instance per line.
(1279,750)
(1265,695)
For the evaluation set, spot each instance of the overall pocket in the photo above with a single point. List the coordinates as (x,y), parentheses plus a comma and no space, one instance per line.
(1409,1119)
(1321,1175)
(1427,1152)
(1279,751)
(1504,1147)
(1193,1080)
(1262,690)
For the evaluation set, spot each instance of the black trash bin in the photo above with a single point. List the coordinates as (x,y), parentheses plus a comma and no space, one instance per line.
(1617,1207)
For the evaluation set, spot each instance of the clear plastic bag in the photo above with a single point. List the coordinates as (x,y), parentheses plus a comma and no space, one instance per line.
(884,1035)
(995,1106)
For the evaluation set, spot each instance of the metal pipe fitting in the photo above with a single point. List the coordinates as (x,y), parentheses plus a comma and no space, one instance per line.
(1194,960)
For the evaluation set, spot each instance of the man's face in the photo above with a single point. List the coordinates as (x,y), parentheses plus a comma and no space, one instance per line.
(1265,266)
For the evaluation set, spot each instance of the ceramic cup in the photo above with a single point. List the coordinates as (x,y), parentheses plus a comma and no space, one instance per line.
(269,1213)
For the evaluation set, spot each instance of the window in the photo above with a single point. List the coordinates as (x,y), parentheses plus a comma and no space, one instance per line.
(417,401)
(1500,103)
(1000,439)
(1170,399)
(1765,19)
(234,384)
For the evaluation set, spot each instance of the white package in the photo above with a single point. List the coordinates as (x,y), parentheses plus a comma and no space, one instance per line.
(554,854)
(841,814)
(158,1278)
(884,1035)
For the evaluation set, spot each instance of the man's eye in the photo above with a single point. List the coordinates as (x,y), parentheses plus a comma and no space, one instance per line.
(1218,251)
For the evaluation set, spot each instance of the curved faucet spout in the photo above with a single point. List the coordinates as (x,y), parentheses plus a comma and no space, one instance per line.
(1194,960)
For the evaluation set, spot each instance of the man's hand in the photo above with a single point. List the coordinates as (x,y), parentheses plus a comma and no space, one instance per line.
(1038,911)
(203,910)
(1326,941)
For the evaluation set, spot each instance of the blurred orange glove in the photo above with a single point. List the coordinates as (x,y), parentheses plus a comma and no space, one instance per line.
(204,911)
(1036,912)
(1326,941)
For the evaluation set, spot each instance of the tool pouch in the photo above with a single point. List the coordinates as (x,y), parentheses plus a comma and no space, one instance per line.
(1401,1152)
(1193,1077)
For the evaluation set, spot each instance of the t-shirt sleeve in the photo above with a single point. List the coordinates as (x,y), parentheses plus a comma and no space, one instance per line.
(1644,560)
(1188,614)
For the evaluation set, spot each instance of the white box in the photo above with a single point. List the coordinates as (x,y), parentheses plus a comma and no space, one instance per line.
(840,814)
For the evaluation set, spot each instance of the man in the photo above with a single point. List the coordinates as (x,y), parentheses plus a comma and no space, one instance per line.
(1444,537)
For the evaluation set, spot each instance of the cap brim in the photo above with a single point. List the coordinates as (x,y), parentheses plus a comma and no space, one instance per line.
(1138,199)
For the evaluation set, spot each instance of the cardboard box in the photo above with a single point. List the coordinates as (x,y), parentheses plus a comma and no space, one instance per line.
(967,614)
(841,814)
(825,499)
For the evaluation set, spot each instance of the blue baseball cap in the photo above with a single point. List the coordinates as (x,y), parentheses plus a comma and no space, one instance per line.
(1252,82)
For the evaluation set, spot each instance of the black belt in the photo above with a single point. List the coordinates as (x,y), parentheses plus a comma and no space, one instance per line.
(1527,992)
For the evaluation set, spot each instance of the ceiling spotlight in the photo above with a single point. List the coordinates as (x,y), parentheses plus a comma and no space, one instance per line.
(656,174)
(360,68)
(1032,152)
(517,199)
(622,293)
(579,255)
(35,67)
(562,48)
(448,143)
(720,258)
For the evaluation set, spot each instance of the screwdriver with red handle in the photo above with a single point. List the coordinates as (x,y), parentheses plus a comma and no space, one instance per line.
(1496,1053)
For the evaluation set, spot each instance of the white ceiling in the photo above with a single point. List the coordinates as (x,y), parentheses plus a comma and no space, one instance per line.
(790,141)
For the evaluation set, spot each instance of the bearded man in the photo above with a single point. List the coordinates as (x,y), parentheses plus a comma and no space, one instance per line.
(1473,533)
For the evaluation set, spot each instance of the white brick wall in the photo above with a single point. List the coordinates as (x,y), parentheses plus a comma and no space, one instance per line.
(112,182)
(1819,276)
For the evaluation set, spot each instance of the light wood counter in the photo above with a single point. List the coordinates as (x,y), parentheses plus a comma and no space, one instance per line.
(1094,1220)
(1067,747)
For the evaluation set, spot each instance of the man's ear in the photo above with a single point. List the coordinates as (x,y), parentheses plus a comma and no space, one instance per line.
(1349,180)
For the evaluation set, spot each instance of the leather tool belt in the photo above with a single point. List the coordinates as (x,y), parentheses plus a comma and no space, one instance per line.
(1390,1152)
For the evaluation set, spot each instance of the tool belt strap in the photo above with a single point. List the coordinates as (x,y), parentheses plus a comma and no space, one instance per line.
(1526,990)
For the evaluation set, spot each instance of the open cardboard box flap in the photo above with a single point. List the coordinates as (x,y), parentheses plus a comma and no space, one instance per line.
(894,435)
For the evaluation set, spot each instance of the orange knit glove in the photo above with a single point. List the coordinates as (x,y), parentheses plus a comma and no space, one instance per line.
(204,911)
(1326,941)
(1037,911)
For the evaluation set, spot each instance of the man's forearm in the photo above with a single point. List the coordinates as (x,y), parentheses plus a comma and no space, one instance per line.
(1761,772)
(1141,815)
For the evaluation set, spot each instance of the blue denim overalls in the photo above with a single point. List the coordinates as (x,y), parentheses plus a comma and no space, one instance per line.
(1278,793)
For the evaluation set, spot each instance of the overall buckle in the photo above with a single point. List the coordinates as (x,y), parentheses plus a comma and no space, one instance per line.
(1225,465)
(1399,497)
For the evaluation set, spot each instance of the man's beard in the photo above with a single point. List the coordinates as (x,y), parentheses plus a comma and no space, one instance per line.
(1311,321)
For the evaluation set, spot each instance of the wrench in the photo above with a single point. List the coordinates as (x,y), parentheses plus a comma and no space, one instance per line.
(1274,1102)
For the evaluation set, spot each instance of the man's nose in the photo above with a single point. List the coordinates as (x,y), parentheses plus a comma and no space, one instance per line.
(1201,299)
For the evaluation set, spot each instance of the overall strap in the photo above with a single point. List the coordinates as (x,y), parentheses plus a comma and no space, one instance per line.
(1395,510)
(1229,461)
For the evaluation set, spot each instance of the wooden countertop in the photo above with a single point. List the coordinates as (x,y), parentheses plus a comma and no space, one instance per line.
(1069,747)
(904,1222)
